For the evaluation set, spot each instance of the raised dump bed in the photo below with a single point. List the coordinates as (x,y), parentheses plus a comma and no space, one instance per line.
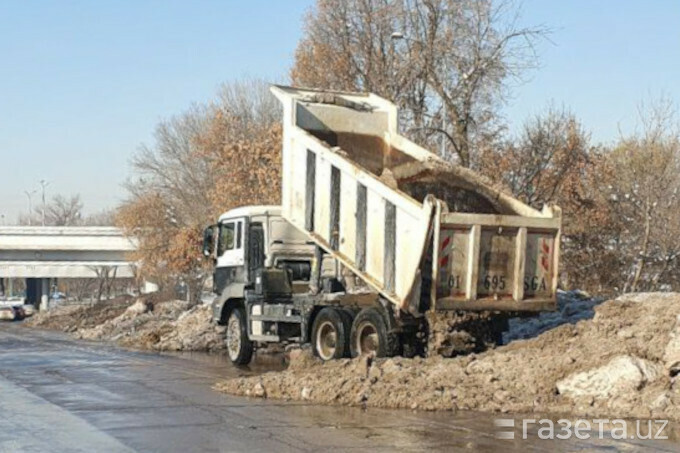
(422,232)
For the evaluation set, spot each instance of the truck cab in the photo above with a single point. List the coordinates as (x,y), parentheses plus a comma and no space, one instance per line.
(273,285)
(252,247)
(250,238)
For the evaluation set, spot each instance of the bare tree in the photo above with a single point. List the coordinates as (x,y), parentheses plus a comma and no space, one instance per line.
(247,104)
(203,162)
(548,156)
(171,167)
(63,211)
(645,199)
(106,276)
(60,211)
(169,199)
(450,68)
(79,288)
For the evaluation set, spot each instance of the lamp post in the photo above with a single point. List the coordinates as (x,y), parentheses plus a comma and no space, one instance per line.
(30,205)
(396,36)
(43,185)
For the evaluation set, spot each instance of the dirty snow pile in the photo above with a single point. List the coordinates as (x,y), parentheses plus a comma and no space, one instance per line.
(572,307)
(161,326)
(71,318)
(621,363)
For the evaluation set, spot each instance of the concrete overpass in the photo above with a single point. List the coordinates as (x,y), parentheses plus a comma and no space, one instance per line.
(39,254)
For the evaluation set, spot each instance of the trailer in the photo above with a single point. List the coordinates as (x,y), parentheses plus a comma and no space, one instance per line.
(374,233)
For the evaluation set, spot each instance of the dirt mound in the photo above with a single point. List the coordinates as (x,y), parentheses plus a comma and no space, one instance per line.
(71,318)
(622,362)
(148,323)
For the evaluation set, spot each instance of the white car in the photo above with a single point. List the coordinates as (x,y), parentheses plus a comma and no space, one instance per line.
(7,313)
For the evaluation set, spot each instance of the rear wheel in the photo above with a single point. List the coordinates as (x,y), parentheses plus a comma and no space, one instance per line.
(370,335)
(330,333)
(239,347)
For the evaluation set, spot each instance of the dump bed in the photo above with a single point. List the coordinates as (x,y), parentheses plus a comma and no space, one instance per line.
(423,232)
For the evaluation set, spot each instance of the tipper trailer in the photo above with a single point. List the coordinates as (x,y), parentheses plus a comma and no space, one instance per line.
(373,233)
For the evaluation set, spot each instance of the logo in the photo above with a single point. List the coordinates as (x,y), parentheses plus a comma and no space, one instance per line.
(546,429)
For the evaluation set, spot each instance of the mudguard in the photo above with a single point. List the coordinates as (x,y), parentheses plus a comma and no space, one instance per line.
(232,293)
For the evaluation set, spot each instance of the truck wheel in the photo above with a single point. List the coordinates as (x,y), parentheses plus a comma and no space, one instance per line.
(239,347)
(370,335)
(330,333)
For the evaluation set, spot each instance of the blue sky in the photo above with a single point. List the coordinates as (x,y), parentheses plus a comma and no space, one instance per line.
(83,83)
(606,56)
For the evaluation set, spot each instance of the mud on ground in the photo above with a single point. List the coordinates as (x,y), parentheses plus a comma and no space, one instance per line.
(621,363)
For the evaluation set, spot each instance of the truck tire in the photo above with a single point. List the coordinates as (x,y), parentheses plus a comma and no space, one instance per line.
(239,347)
(370,335)
(330,333)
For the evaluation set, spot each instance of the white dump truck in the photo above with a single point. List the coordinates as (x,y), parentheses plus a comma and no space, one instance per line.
(373,234)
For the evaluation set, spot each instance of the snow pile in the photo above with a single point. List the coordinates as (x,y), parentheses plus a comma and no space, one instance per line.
(70,318)
(194,330)
(572,307)
(145,324)
(619,376)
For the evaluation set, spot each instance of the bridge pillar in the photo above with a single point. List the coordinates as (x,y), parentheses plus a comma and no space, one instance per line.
(38,292)
(44,293)
(32,291)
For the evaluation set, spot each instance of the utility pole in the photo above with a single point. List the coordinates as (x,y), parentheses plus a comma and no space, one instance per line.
(30,205)
(43,184)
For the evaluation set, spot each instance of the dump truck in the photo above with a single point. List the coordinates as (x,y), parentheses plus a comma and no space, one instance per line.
(375,236)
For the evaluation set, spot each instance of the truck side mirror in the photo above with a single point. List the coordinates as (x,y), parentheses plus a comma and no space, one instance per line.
(209,240)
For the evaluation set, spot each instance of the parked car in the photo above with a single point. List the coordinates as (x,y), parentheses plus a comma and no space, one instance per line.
(7,313)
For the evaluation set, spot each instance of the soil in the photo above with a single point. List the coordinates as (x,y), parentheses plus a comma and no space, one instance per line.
(618,358)
(456,333)
(147,323)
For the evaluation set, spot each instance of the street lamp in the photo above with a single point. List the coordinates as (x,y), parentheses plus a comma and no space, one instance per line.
(30,205)
(43,184)
(396,36)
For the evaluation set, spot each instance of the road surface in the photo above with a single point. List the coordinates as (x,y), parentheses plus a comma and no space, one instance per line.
(61,395)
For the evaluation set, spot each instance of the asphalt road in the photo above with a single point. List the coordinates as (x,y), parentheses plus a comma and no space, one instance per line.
(61,395)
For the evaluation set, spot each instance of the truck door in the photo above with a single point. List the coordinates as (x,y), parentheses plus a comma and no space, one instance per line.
(255,249)
(230,266)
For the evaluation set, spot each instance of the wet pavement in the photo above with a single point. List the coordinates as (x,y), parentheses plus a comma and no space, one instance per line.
(62,395)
